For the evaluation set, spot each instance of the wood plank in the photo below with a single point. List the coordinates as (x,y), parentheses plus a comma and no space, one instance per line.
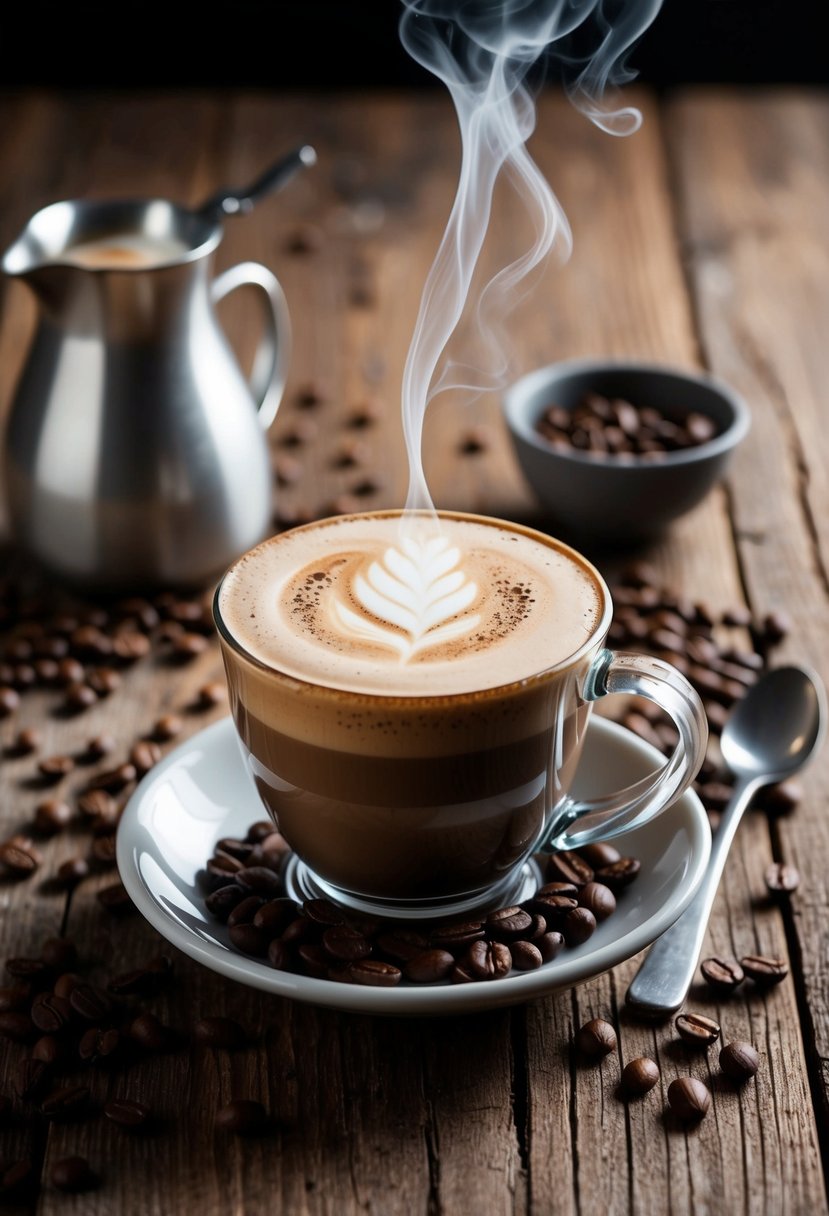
(754,177)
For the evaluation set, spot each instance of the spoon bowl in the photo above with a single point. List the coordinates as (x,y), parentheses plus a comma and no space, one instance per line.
(776,726)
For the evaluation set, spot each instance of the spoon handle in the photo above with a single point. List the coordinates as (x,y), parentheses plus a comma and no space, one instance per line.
(662,982)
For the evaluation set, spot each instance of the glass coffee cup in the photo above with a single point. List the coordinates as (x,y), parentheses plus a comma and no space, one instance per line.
(411,694)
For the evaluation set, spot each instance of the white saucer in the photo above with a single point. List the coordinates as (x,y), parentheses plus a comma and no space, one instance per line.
(202,791)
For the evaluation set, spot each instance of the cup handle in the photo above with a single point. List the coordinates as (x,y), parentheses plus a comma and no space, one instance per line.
(270,363)
(581,822)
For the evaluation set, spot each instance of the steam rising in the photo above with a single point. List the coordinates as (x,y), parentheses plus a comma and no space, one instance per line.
(485,51)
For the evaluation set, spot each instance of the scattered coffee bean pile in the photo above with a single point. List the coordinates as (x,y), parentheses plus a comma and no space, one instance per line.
(613,428)
(689,1099)
(318,939)
(721,654)
(75,1036)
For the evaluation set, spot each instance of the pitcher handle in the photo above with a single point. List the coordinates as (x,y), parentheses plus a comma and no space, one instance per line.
(270,363)
(581,822)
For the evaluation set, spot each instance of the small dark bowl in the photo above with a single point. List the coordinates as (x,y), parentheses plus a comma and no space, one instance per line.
(606,498)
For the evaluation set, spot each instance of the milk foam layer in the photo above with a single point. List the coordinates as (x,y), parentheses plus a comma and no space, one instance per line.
(435,608)
(130,251)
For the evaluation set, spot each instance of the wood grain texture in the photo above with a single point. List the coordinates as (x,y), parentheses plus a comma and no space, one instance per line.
(695,241)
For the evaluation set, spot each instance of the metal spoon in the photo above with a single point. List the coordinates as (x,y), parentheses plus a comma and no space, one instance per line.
(231,201)
(771,733)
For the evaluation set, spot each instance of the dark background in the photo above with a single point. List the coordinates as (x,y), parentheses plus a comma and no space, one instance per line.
(298,44)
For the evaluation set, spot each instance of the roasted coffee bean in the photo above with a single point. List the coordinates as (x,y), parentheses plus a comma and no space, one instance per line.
(143,755)
(568,889)
(598,899)
(525,956)
(26,741)
(596,1038)
(259,831)
(19,861)
(429,966)
(167,727)
(54,768)
(89,641)
(300,930)
(245,911)
(487,960)
(30,970)
(553,908)
(73,871)
(242,1117)
(313,960)
(9,701)
(70,672)
(65,984)
(261,881)
(249,940)
(697,1030)
(103,849)
(373,972)
(99,746)
(550,945)
(34,1079)
(781,879)
(322,912)
(51,816)
(275,916)
(90,1003)
(127,1113)
(130,646)
(74,1175)
(782,798)
(68,1102)
(51,1013)
(723,975)
(94,803)
(345,944)
(221,903)
(100,1046)
(16,1025)
(103,680)
(223,864)
(688,1098)
(639,1076)
(278,954)
(150,1033)
(766,972)
(775,627)
(739,1061)
(457,936)
(211,694)
(219,1032)
(599,854)
(619,874)
(240,849)
(188,645)
(403,944)
(115,899)
(79,696)
(113,780)
(508,923)
(48,1049)
(579,924)
(568,867)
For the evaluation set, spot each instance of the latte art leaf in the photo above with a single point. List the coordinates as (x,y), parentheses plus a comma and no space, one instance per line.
(413,600)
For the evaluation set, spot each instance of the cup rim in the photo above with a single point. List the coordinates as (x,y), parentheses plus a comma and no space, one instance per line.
(112,211)
(516,411)
(446,700)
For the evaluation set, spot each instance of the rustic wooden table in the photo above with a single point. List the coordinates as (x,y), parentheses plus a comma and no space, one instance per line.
(701,240)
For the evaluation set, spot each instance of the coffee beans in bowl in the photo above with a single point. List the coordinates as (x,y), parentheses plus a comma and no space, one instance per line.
(618,450)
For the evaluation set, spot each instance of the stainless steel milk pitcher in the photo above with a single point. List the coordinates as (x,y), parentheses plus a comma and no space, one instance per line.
(136,451)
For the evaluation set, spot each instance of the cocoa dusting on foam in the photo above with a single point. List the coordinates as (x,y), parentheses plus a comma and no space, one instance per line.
(357,605)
